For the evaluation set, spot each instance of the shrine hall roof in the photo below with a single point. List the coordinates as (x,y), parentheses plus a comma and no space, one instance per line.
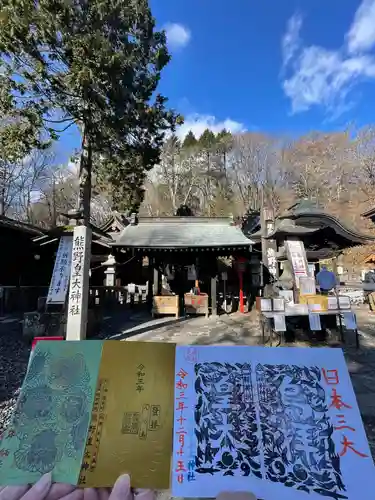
(169,233)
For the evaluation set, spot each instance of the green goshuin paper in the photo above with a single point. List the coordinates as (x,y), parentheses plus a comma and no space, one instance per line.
(91,410)
(46,433)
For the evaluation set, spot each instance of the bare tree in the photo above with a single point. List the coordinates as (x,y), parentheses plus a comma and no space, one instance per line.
(58,194)
(21,182)
(257,170)
(364,145)
(320,166)
(179,171)
(38,169)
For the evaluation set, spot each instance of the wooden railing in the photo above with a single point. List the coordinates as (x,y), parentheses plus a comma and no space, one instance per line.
(21,299)
(110,297)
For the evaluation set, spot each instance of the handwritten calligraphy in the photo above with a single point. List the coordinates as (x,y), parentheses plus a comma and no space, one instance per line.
(140,422)
(181,386)
(95,430)
(60,276)
(76,285)
(332,378)
(140,383)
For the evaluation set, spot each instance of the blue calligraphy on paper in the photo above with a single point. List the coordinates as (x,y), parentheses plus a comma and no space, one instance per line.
(225,420)
(296,430)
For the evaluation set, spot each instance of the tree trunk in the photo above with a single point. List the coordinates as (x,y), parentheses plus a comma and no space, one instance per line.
(85,169)
(2,190)
(54,212)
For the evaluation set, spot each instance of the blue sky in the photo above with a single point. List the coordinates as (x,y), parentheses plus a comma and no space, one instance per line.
(277,66)
(283,66)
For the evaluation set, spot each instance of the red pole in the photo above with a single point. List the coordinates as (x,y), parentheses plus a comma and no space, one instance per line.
(240,279)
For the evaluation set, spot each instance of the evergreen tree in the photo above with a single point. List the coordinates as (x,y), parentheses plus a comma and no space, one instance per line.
(223,135)
(190,140)
(95,64)
(207,139)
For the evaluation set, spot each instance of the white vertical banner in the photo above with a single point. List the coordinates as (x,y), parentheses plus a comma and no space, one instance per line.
(61,271)
(79,284)
(297,256)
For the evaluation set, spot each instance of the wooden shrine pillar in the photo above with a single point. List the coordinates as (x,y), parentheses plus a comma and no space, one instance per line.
(155,281)
(213,296)
(150,287)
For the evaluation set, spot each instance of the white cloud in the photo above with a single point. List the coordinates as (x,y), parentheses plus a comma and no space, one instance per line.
(198,123)
(178,36)
(361,36)
(320,77)
(291,40)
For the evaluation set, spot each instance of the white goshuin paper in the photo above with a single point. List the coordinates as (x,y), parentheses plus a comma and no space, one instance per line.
(357,472)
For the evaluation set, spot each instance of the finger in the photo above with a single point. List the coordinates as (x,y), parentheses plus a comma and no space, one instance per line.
(140,494)
(13,492)
(121,489)
(60,490)
(40,489)
(103,493)
(90,494)
(74,495)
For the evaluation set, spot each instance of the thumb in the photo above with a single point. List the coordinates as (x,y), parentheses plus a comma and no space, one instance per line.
(121,489)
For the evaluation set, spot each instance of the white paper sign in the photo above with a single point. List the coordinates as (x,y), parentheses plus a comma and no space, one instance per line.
(311,269)
(332,303)
(278,304)
(297,255)
(265,305)
(314,320)
(282,423)
(307,286)
(61,272)
(279,323)
(350,321)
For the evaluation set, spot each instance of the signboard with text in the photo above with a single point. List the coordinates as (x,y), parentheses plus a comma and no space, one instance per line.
(60,277)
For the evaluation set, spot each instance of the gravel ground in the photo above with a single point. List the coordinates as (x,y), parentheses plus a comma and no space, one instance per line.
(14,356)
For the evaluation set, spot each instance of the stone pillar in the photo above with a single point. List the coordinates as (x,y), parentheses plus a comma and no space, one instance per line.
(213,296)
(79,284)
(110,272)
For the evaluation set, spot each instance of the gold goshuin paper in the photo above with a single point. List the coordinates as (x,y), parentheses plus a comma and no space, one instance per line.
(132,416)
